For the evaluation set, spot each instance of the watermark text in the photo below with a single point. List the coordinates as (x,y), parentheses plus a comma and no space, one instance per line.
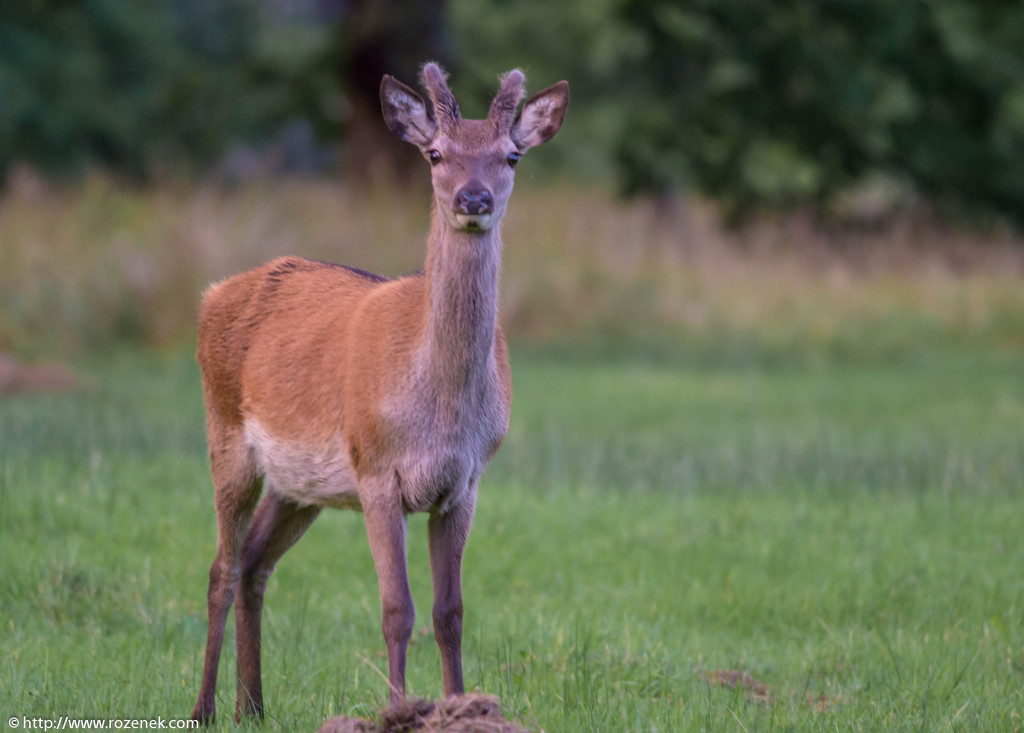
(23,722)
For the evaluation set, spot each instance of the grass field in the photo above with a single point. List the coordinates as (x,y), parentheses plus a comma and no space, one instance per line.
(847,535)
(732,453)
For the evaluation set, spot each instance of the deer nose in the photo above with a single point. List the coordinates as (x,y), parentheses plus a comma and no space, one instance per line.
(473,199)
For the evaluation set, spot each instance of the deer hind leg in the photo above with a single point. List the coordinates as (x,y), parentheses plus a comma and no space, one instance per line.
(448,533)
(237,490)
(385,529)
(277,525)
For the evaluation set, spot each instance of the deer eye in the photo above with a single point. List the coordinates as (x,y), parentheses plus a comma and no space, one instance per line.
(434,157)
(513,158)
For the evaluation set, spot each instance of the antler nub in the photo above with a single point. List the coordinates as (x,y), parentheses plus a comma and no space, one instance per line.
(503,108)
(434,80)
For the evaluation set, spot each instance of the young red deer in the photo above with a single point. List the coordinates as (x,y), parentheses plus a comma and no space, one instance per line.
(334,387)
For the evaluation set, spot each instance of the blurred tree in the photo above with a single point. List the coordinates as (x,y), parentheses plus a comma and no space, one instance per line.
(761,105)
(377,37)
(770,105)
(583,41)
(129,86)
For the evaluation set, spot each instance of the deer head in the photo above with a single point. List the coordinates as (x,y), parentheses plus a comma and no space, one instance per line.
(472,161)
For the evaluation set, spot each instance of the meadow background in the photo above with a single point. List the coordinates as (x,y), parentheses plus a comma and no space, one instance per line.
(766,464)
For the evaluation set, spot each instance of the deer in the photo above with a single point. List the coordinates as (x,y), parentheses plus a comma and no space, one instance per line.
(328,386)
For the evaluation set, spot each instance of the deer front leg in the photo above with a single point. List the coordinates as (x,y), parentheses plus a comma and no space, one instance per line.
(448,534)
(385,529)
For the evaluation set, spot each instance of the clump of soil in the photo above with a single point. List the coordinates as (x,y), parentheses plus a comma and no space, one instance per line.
(758,692)
(732,678)
(473,713)
(44,376)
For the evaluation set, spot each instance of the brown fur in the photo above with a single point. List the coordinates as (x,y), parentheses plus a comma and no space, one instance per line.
(331,387)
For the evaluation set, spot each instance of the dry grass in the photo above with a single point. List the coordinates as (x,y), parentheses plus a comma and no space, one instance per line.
(608,266)
(89,266)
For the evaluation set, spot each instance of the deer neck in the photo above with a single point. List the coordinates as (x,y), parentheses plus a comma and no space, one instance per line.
(462,271)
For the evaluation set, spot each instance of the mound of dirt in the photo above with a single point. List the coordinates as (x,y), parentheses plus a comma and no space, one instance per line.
(45,376)
(473,713)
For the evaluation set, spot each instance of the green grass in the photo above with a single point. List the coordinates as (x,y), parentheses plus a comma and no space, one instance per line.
(847,534)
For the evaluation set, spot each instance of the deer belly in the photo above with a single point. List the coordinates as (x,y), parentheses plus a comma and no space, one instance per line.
(309,474)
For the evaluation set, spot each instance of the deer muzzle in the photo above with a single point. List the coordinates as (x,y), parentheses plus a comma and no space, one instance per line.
(474,207)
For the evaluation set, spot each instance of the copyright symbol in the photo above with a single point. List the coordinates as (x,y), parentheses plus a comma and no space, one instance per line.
(13,722)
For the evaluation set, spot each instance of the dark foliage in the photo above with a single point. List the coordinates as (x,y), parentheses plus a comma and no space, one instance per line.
(131,87)
(774,104)
(764,106)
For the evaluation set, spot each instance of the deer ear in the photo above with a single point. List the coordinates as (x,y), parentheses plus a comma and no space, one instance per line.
(541,116)
(405,113)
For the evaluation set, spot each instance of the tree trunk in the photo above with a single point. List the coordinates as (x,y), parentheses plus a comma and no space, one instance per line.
(385,37)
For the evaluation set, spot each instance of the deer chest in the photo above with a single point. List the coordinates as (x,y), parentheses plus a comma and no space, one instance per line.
(439,453)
